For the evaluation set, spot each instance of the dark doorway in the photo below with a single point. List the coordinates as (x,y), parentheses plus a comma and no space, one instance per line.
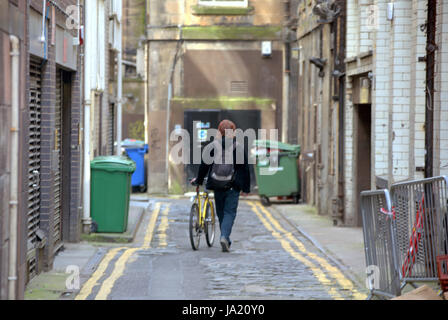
(363,154)
(209,119)
(65,153)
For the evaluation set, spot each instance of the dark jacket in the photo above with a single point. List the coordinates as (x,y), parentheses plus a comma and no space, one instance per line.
(242,173)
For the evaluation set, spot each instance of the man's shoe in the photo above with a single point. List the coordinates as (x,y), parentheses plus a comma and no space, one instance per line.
(225,245)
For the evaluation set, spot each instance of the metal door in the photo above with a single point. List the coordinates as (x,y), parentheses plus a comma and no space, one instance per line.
(34,166)
(207,119)
(244,120)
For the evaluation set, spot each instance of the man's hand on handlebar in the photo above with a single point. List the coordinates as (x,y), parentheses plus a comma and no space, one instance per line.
(193,182)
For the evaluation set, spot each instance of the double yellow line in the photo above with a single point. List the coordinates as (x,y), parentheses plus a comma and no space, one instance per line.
(318,265)
(120,265)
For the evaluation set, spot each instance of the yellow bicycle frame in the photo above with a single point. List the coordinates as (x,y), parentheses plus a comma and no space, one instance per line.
(203,200)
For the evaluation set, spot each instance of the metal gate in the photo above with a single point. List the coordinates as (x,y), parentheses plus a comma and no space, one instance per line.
(57,180)
(405,232)
(34,168)
(379,244)
(421,208)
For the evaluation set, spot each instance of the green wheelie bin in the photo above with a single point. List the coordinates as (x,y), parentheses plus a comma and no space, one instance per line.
(281,179)
(110,192)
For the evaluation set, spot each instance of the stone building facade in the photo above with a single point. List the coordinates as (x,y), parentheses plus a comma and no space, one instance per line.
(387,121)
(394,120)
(319,52)
(134,26)
(206,56)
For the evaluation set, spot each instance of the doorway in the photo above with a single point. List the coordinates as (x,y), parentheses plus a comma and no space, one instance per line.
(63,170)
(363,152)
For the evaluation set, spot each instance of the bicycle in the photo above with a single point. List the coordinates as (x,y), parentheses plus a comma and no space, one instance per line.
(202,219)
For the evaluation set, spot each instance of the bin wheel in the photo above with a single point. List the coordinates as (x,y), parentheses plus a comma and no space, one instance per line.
(296,199)
(265,201)
(94,227)
(142,189)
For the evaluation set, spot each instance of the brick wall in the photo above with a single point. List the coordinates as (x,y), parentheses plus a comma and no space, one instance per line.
(71,226)
(400,89)
(349,169)
(417,99)
(380,96)
(69,211)
(398,92)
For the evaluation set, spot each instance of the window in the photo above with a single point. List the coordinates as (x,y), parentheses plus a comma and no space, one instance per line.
(224,3)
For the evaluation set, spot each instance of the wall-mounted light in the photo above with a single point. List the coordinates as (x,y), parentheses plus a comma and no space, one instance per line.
(319,63)
(390,11)
(266,49)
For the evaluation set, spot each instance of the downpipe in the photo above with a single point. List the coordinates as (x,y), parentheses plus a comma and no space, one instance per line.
(286,74)
(89,21)
(119,103)
(87,221)
(14,176)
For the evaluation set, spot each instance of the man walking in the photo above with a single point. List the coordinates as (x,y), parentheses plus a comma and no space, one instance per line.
(226,177)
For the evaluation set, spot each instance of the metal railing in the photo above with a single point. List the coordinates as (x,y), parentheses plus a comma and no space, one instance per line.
(421,216)
(379,244)
(405,230)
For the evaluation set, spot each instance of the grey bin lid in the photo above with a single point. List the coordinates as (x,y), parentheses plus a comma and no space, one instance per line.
(295,148)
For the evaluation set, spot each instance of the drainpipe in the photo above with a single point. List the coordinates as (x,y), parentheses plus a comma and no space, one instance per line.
(14,176)
(44,7)
(342,79)
(168,108)
(86,220)
(119,93)
(89,18)
(431,47)
(286,73)
(119,101)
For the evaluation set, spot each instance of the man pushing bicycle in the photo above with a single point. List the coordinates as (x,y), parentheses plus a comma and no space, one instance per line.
(226,177)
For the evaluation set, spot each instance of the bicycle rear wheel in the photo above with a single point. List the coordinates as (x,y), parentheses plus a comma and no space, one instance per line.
(210,224)
(194,227)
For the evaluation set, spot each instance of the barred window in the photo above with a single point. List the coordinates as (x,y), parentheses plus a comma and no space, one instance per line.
(224,3)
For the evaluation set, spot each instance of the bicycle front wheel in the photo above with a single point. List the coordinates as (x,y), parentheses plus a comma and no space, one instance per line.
(210,224)
(194,227)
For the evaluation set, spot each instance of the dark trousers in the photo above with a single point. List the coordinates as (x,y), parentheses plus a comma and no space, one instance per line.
(226,207)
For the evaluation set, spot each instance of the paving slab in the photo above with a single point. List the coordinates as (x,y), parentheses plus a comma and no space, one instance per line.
(81,258)
(136,210)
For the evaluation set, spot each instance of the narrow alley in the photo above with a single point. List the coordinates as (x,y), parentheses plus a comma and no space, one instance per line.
(268,260)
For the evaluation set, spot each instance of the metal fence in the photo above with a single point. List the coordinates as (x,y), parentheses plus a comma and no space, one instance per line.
(421,216)
(404,232)
(383,277)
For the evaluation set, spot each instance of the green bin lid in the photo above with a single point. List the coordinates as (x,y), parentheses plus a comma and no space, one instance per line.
(279,145)
(113,163)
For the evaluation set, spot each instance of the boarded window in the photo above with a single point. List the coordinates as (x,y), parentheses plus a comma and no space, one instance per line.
(224,3)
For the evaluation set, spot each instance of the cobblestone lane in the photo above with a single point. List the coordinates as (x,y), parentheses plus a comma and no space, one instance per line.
(268,260)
